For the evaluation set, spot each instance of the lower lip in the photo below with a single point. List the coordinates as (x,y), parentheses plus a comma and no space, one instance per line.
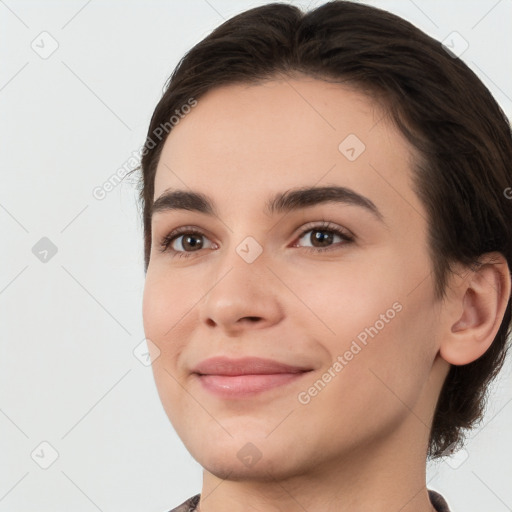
(240,386)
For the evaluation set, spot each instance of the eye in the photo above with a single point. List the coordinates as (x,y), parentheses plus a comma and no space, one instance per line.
(185,241)
(190,239)
(322,236)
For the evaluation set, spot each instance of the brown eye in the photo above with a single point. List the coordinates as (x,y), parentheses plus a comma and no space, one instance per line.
(324,237)
(321,238)
(182,242)
(189,242)
(185,241)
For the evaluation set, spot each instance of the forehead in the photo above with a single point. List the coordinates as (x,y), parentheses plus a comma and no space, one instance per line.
(246,141)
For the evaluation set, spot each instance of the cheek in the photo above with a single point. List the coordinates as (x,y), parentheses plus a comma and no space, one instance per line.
(365,313)
(153,308)
(397,348)
(163,310)
(379,373)
(341,300)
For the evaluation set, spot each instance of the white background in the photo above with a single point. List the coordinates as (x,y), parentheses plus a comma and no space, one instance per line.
(68,375)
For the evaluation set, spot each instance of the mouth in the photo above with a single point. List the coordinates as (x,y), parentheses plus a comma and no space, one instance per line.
(240,386)
(246,377)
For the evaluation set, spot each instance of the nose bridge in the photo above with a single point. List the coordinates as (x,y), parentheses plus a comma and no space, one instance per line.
(243,247)
(242,270)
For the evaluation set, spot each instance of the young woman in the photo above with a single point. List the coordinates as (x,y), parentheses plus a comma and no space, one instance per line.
(328,239)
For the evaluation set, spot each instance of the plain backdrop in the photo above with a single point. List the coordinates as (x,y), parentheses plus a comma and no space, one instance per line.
(81,424)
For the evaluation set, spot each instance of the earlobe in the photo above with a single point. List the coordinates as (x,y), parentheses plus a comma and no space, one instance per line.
(484,294)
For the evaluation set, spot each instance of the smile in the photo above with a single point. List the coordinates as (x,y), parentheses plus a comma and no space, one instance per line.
(245,386)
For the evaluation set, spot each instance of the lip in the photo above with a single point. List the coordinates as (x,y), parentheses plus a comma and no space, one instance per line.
(222,365)
(245,377)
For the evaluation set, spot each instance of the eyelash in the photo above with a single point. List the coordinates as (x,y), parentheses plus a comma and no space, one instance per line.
(324,226)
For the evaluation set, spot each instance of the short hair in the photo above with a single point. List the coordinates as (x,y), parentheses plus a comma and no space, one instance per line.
(461,135)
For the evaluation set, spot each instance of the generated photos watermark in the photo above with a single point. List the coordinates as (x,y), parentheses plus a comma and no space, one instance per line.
(304,397)
(162,130)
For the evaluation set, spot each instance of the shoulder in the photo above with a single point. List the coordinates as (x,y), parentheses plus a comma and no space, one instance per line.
(438,502)
(188,505)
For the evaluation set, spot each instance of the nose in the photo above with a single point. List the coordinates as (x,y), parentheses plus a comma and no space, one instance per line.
(244,296)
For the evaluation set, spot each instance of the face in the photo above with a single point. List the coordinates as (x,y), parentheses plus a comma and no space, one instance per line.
(337,283)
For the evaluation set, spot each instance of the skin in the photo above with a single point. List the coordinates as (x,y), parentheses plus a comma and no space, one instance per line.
(360,444)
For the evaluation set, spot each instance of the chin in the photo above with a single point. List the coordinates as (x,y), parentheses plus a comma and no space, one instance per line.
(267,469)
(246,457)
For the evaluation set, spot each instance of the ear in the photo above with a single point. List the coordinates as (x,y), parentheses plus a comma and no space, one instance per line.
(474,309)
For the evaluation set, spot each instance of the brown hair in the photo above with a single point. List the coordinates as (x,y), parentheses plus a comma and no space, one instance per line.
(460,133)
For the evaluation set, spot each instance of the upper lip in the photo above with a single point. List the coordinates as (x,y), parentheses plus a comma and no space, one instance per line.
(222,365)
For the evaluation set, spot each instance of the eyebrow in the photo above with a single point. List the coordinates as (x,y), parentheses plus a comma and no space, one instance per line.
(290,200)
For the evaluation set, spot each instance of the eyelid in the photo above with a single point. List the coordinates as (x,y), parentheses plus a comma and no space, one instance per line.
(323,225)
(170,237)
